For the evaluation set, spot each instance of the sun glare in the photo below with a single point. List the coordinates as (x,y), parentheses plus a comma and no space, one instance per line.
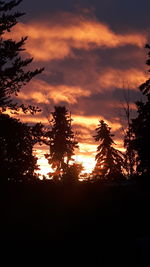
(87,162)
(44,168)
(82,156)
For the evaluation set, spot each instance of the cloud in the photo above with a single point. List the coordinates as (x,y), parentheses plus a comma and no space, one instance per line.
(128,78)
(87,64)
(42,92)
(91,122)
(56,40)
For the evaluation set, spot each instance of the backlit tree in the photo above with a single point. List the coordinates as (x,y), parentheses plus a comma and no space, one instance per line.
(61,141)
(17,140)
(140,127)
(109,160)
(13,73)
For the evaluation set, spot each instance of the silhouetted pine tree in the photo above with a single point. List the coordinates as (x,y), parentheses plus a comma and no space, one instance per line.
(16,138)
(140,127)
(109,161)
(61,141)
(12,66)
(141,140)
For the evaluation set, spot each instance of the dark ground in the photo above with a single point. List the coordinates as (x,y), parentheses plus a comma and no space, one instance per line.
(111,220)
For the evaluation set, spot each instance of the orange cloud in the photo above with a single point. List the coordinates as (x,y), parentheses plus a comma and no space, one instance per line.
(55,41)
(129,78)
(91,122)
(42,92)
(87,144)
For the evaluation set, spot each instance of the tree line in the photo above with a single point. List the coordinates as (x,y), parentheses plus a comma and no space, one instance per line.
(18,139)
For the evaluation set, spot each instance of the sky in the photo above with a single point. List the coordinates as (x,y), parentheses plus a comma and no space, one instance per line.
(94,58)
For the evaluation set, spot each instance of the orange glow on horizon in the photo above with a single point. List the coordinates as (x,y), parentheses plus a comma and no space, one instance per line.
(44,168)
(88,161)
(83,79)
(85,156)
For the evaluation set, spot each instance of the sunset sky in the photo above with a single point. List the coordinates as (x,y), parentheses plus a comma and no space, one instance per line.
(93,53)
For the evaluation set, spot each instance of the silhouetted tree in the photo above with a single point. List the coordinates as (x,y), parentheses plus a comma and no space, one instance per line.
(140,127)
(130,154)
(109,161)
(12,66)
(125,114)
(130,157)
(61,141)
(145,87)
(16,142)
(141,141)
(72,173)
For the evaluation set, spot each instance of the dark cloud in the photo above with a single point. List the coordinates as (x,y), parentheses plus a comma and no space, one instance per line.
(87,66)
(121,15)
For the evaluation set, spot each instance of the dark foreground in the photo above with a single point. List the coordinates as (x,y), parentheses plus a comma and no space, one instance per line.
(105,218)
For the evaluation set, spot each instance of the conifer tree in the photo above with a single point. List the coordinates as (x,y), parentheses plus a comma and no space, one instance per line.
(12,66)
(61,141)
(140,127)
(109,161)
(141,141)
(16,138)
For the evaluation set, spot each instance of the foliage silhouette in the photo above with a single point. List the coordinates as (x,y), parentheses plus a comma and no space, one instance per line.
(141,141)
(61,141)
(145,87)
(72,173)
(12,66)
(140,129)
(109,161)
(17,139)
(130,154)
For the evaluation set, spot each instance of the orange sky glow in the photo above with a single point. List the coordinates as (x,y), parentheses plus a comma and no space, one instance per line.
(87,64)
